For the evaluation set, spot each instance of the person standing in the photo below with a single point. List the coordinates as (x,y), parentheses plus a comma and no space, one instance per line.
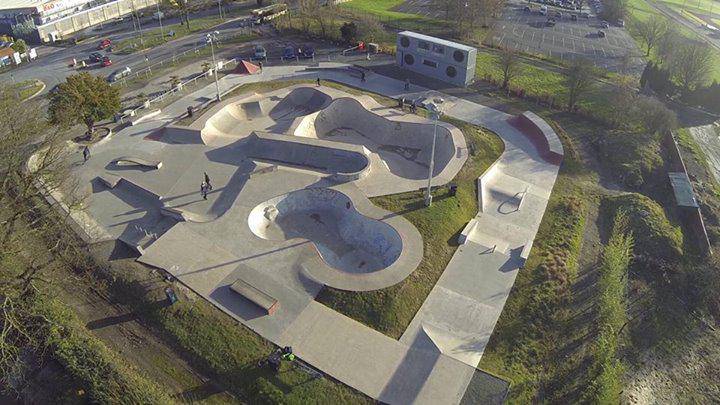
(407,84)
(318,81)
(207,181)
(86,153)
(204,190)
(362,76)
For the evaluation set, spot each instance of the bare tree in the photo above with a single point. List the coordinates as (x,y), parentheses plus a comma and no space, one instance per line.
(651,31)
(580,77)
(510,65)
(691,64)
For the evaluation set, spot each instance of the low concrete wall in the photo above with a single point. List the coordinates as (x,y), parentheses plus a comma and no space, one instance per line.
(344,162)
(541,135)
(691,217)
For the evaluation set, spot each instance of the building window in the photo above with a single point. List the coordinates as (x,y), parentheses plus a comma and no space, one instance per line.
(424,45)
(430,63)
(438,49)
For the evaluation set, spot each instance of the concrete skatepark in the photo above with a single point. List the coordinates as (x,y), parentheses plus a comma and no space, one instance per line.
(289,213)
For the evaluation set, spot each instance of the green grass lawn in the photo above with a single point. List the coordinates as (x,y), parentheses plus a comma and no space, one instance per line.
(641,10)
(27,88)
(695,6)
(390,310)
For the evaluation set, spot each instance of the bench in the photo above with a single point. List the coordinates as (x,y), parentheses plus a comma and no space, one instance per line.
(257,297)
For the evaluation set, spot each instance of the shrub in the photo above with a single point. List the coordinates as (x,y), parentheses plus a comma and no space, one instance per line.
(655,236)
(634,158)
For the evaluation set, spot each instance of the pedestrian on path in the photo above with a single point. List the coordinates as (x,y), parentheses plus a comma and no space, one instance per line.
(407,84)
(86,153)
(413,107)
(401,104)
(207,181)
(362,76)
(318,81)
(204,190)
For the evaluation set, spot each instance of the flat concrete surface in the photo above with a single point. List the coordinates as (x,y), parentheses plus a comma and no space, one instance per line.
(435,360)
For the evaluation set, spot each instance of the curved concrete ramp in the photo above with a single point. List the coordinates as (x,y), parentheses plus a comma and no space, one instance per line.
(345,239)
(300,101)
(135,161)
(404,146)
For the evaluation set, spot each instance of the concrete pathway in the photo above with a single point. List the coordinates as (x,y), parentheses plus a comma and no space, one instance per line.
(436,358)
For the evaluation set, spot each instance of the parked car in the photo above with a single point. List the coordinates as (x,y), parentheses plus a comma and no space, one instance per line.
(307,52)
(621,23)
(289,52)
(601,34)
(104,44)
(543,10)
(106,61)
(119,74)
(574,17)
(604,24)
(550,22)
(95,57)
(158,15)
(527,9)
(259,52)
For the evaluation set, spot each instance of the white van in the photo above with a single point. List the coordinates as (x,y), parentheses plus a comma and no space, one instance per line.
(543,10)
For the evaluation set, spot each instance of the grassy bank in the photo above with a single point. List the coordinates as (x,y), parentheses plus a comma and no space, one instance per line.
(390,310)
(153,37)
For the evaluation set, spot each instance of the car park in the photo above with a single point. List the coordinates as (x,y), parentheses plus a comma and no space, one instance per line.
(119,74)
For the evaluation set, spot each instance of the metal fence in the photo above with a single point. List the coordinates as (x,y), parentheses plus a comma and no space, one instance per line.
(176,89)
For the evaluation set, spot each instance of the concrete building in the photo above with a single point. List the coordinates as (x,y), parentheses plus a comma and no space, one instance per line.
(437,58)
(52,20)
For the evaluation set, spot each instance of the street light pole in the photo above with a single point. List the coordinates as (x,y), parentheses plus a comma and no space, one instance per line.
(162,33)
(211,38)
(220,9)
(436,115)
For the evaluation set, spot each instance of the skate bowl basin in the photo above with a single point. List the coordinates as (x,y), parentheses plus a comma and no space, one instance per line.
(354,249)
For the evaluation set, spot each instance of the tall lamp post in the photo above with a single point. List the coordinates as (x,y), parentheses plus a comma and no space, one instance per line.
(435,112)
(160,17)
(211,38)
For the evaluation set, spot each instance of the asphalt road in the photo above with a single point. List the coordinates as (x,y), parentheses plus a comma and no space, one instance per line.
(53,63)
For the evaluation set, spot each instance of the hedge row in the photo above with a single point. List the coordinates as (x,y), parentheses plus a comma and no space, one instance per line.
(612,314)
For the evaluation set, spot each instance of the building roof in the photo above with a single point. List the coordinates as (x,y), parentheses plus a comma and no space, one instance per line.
(5,52)
(684,195)
(440,41)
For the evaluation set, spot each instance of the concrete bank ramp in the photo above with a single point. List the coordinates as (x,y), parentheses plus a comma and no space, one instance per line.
(300,101)
(348,120)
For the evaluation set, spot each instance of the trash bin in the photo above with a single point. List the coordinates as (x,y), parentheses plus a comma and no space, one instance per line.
(452,189)
(170,294)
(190,111)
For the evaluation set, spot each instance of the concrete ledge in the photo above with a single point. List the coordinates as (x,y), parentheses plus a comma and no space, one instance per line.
(257,297)
(541,135)
(135,161)
(109,180)
(145,117)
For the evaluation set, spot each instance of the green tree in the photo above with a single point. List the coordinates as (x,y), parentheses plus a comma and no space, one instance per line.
(650,31)
(83,99)
(20,46)
(183,7)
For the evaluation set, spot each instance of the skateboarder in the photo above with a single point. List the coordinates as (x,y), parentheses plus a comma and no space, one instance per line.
(318,81)
(207,181)
(86,153)
(362,76)
(204,190)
